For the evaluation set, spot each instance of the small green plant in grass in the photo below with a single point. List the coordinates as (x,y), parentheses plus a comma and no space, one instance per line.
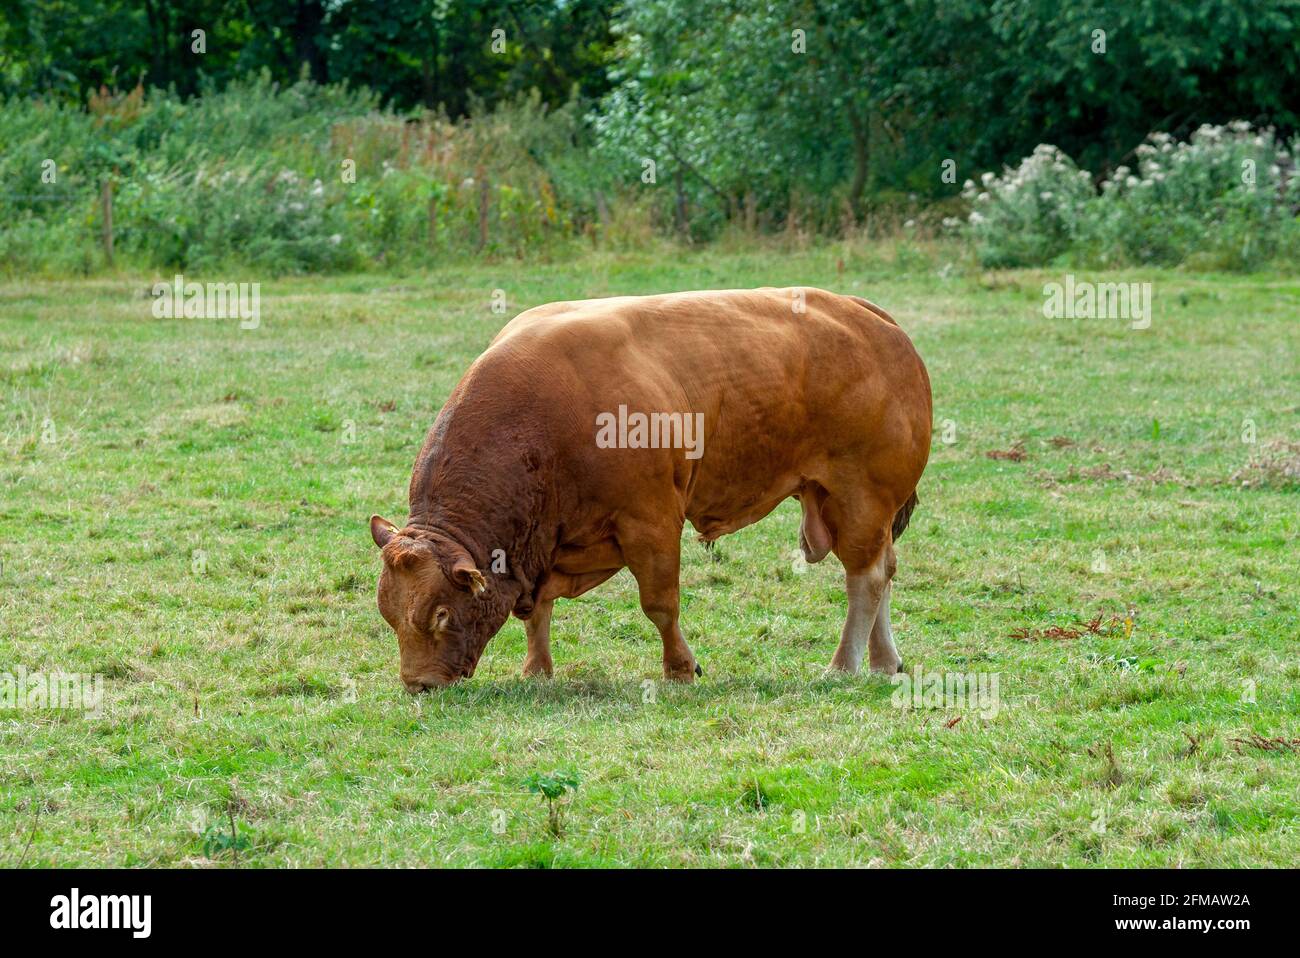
(552,788)
(217,841)
(755,796)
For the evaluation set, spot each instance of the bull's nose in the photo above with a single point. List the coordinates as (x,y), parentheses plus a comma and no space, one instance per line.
(416,686)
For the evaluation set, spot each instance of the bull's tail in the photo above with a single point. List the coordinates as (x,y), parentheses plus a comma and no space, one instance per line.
(903,515)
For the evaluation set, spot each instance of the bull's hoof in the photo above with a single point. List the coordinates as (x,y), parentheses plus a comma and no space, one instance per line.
(885,668)
(698,670)
(842,664)
(540,668)
(684,672)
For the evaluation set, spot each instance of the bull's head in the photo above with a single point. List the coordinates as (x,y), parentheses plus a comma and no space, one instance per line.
(441,606)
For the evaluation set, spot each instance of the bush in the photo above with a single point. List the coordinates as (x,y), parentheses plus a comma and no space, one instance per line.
(1031,214)
(255,177)
(1227,198)
(1221,195)
(308,178)
(252,216)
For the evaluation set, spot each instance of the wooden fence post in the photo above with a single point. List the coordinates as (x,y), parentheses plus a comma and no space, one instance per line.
(433,223)
(482,209)
(106,208)
(683,223)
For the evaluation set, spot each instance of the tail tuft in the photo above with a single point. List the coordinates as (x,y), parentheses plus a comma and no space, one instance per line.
(903,515)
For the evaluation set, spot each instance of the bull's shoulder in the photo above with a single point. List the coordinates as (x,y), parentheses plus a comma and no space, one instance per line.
(795,301)
(531,317)
(577,312)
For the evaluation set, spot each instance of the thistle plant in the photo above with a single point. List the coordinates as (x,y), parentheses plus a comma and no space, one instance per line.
(1225,198)
(1030,214)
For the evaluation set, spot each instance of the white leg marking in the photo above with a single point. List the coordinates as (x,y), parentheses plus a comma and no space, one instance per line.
(865,590)
(884,654)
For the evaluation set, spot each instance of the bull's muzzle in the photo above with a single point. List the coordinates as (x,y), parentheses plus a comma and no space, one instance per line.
(417,684)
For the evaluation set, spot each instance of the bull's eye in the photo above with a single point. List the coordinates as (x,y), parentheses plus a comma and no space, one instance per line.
(440,618)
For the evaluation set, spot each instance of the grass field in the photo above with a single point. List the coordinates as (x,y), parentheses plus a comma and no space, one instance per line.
(183,509)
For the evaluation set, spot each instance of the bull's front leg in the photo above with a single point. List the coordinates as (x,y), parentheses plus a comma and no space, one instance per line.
(537,627)
(654,557)
(562,585)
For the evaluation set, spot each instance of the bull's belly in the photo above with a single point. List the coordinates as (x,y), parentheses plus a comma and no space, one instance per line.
(719,509)
(749,469)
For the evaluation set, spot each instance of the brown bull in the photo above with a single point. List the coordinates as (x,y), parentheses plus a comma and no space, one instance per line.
(589,432)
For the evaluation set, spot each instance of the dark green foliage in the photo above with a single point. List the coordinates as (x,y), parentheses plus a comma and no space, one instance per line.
(432,53)
(812,116)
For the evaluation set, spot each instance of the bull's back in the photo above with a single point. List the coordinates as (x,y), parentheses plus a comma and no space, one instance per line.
(787,383)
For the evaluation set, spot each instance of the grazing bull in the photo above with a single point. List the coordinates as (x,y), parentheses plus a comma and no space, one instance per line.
(589,432)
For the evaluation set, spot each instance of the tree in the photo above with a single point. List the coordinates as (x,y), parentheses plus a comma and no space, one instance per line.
(837,99)
(747,95)
(432,53)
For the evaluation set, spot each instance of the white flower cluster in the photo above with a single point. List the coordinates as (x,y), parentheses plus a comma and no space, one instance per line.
(1045,183)
(1240,178)
(1219,158)
(1047,174)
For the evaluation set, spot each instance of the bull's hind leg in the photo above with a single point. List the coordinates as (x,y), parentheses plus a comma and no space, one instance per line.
(883,653)
(864,545)
(867,590)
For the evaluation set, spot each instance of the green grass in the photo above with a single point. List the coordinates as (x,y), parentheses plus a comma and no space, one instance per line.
(196,531)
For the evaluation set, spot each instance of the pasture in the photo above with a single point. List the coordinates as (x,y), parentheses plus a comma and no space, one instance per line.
(183,509)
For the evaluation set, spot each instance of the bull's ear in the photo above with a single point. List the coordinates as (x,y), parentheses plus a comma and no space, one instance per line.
(466,575)
(381,530)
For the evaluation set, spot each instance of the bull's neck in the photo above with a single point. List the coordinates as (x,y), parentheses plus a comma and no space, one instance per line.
(480,517)
(485,493)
